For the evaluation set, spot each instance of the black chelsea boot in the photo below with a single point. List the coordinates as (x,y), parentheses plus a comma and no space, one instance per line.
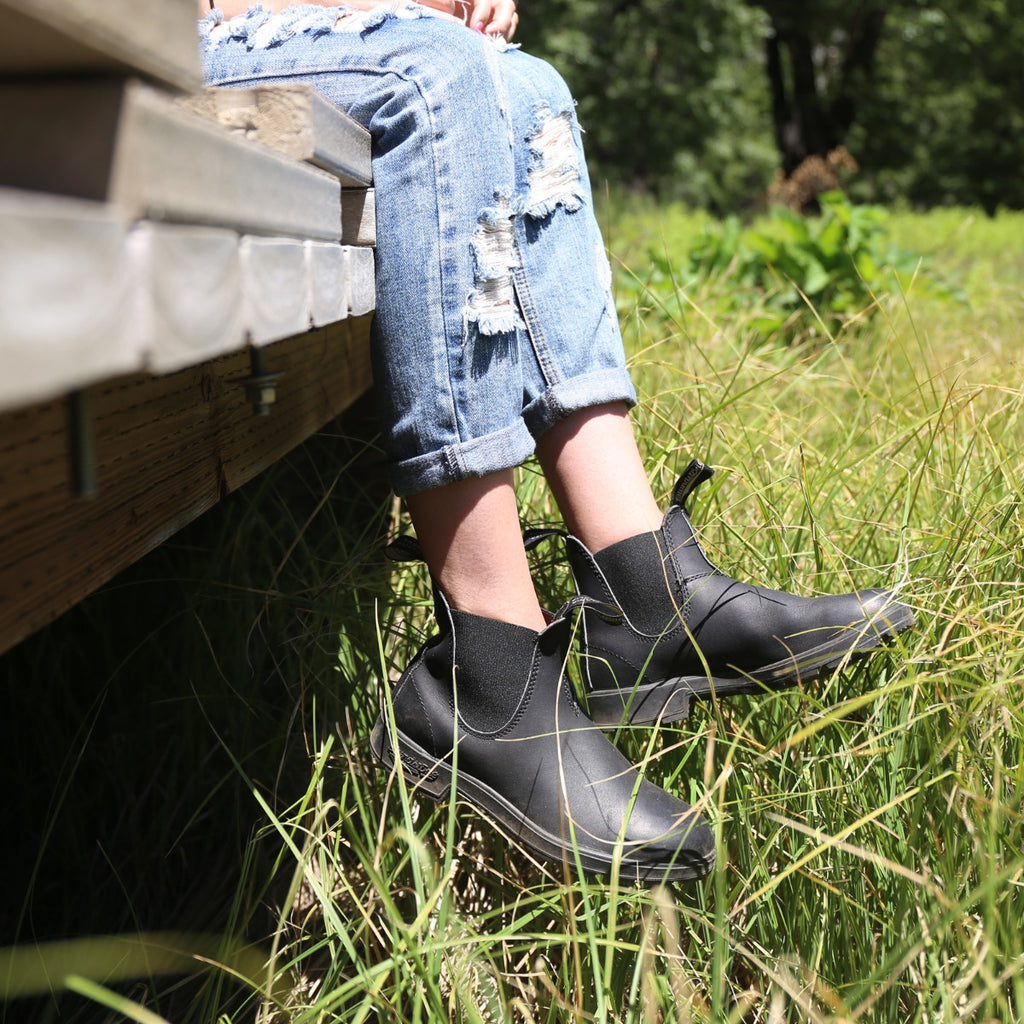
(689,630)
(487,707)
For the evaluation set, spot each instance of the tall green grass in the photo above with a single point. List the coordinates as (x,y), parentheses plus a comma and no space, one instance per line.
(870,824)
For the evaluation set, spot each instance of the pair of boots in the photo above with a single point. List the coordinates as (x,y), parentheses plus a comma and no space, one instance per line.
(489,705)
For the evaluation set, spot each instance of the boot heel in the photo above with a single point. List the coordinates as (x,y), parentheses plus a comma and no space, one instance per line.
(426,774)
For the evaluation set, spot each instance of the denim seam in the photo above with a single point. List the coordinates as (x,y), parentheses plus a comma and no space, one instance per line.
(538,340)
(371,69)
(451,458)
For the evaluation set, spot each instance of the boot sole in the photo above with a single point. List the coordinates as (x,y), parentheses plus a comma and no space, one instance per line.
(668,700)
(434,779)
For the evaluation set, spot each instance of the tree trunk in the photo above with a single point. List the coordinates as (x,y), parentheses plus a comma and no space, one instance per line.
(808,120)
(858,64)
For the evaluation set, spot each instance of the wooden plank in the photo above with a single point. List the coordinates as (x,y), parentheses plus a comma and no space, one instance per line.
(361,280)
(128,144)
(276,290)
(359,216)
(325,266)
(167,449)
(297,121)
(65,296)
(294,119)
(187,293)
(156,38)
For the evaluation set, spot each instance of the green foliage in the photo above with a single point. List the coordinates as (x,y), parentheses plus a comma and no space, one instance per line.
(671,96)
(675,98)
(798,276)
(942,120)
(188,748)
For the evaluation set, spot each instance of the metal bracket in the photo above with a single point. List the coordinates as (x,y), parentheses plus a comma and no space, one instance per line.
(261,384)
(82,435)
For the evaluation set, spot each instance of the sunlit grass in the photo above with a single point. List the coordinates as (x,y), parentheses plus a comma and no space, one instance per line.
(870,824)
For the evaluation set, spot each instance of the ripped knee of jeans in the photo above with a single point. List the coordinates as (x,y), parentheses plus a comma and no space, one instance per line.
(554,171)
(492,303)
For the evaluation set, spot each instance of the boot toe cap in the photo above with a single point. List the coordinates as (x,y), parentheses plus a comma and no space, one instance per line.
(885,611)
(665,833)
(686,853)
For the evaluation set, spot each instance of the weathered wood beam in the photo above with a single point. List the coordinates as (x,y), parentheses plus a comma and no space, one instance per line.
(65,296)
(129,145)
(165,450)
(295,120)
(359,216)
(156,38)
(84,296)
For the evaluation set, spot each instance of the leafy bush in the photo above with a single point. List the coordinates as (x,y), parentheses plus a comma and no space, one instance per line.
(799,276)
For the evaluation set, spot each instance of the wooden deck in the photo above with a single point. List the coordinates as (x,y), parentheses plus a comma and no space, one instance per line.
(186,288)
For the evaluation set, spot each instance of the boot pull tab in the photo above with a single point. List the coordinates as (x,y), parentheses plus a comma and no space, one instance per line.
(611,613)
(404,548)
(693,476)
(536,535)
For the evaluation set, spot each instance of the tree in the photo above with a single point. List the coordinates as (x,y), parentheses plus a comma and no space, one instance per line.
(819,59)
(703,99)
(944,120)
(668,96)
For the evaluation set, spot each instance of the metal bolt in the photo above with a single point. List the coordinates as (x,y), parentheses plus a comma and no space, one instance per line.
(261,384)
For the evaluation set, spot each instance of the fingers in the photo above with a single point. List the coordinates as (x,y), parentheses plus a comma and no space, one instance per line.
(457,9)
(494,17)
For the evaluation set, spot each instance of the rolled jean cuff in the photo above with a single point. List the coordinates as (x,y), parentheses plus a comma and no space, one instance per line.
(580,392)
(491,453)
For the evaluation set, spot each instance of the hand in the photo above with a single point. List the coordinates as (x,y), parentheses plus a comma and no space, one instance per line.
(494,17)
(457,10)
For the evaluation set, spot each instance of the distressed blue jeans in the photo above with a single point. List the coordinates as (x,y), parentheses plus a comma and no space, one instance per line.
(494,311)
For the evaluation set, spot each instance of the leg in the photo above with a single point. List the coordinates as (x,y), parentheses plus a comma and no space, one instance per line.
(595,471)
(689,630)
(484,706)
(447,350)
(470,534)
